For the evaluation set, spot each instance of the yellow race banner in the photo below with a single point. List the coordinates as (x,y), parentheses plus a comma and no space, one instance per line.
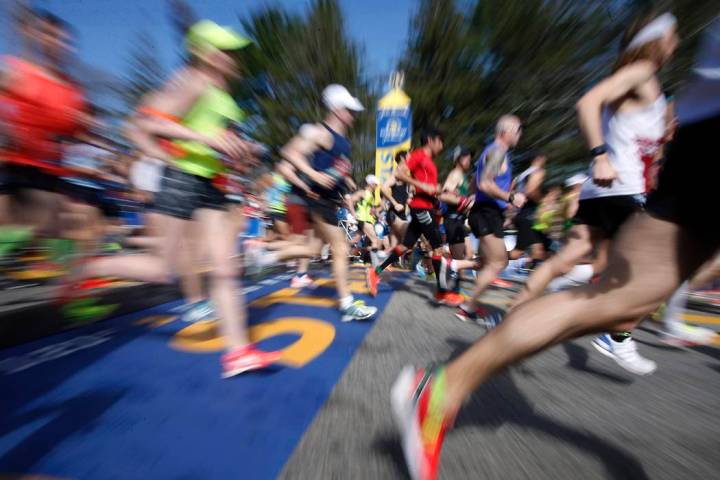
(393,130)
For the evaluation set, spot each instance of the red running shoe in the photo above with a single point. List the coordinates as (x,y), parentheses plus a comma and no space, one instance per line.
(245,359)
(373,280)
(418,403)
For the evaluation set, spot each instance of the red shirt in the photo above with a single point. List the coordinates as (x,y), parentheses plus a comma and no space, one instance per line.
(423,169)
(37,109)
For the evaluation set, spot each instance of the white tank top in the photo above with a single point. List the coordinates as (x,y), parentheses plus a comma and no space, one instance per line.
(633,139)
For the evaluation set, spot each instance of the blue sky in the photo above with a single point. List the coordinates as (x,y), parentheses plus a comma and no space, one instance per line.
(107,27)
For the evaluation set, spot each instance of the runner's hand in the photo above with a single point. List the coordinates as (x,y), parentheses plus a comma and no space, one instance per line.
(604,174)
(398,207)
(519,200)
(323,179)
(229,144)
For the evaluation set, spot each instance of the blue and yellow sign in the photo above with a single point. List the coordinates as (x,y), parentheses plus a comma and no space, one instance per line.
(393,129)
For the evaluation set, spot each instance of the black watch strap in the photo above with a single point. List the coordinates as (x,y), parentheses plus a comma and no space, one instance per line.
(599,150)
(511,197)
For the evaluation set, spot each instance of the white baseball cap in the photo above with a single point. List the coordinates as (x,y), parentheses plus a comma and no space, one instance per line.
(336,96)
(371,180)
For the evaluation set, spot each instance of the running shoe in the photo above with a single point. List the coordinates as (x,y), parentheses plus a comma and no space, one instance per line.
(451,299)
(420,270)
(372,280)
(500,283)
(680,333)
(245,359)
(199,312)
(304,281)
(481,316)
(358,311)
(625,354)
(418,409)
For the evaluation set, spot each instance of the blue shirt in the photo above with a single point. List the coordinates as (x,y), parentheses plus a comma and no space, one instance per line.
(502,180)
(335,161)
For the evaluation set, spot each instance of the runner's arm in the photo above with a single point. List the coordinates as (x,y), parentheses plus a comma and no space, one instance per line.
(622,82)
(286,169)
(350,204)
(450,194)
(386,189)
(403,174)
(310,139)
(486,183)
(533,185)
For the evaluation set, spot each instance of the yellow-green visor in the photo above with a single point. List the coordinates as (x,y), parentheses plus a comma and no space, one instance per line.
(208,33)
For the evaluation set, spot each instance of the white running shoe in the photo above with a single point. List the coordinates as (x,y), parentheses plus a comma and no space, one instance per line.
(625,354)
(358,311)
(680,333)
(302,282)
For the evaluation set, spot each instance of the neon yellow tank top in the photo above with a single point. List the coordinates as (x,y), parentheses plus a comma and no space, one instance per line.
(210,115)
(364,206)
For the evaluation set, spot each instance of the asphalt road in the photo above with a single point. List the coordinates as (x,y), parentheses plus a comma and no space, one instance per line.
(568,413)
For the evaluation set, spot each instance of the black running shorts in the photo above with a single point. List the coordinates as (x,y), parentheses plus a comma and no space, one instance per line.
(687,191)
(422,223)
(487,219)
(455,229)
(607,213)
(527,236)
(182,193)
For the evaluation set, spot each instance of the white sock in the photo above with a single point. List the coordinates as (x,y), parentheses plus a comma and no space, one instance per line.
(516,264)
(579,274)
(267,258)
(374,259)
(675,306)
(346,302)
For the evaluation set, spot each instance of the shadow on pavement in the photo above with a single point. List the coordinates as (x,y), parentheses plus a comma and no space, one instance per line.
(68,417)
(500,402)
(578,360)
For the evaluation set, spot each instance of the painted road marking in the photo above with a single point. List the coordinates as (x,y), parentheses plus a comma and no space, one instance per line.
(706,319)
(315,336)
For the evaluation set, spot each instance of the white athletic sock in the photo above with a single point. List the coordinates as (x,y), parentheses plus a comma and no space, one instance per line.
(674,307)
(346,302)
(267,259)
(581,273)
(374,259)
(578,275)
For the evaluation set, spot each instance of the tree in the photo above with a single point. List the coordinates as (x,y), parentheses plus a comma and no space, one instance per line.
(534,58)
(145,71)
(295,58)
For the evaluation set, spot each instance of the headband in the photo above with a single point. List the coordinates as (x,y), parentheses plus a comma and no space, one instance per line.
(653,30)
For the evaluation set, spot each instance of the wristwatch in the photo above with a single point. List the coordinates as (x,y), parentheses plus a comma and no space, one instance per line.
(511,197)
(599,150)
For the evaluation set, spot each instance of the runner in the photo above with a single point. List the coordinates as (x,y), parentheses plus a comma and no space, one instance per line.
(455,196)
(398,195)
(39,103)
(194,110)
(361,205)
(420,171)
(493,196)
(632,123)
(652,254)
(317,163)
(530,183)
